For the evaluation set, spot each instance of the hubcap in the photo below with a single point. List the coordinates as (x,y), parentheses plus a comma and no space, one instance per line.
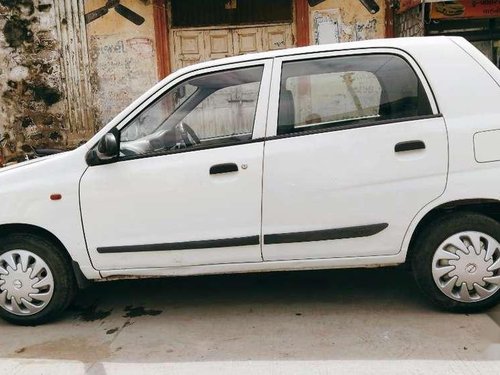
(466,266)
(26,283)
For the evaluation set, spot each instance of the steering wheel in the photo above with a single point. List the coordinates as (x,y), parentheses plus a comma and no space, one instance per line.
(187,132)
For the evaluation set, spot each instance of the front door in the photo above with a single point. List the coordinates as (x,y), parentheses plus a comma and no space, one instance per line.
(186,189)
(358,150)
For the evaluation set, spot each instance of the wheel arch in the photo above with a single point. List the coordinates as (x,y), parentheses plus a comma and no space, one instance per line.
(485,206)
(6,229)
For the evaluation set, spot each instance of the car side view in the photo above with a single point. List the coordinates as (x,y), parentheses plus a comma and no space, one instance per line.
(363,154)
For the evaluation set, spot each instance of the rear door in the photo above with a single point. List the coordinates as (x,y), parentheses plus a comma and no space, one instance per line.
(355,148)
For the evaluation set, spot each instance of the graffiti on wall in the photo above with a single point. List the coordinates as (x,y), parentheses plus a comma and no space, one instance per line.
(123,68)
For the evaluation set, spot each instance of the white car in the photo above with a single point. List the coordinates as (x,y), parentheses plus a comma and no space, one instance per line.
(363,154)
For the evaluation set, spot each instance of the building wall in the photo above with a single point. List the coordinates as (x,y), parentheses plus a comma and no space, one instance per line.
(332,21)
(61,80)
(122,57)
(409,23)
(32,109)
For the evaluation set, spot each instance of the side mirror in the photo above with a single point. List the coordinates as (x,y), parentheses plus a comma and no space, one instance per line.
(107,148)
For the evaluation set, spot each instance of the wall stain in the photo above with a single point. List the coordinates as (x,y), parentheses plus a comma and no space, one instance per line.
(49,95)
(32,109)
(17,32)
(44,7)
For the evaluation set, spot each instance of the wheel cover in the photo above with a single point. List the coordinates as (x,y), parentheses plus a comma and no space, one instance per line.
(26,283)
(466,267)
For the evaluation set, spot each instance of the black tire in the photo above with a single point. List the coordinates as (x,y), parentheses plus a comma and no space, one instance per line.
(427,243)
(64,280)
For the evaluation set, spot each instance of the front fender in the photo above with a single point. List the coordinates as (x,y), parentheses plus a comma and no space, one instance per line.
(25,198)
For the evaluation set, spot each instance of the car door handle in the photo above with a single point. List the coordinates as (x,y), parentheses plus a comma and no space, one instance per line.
(409,146)
(223,168)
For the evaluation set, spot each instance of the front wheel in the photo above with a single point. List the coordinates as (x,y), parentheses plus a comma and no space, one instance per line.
(456,262)
(36,280)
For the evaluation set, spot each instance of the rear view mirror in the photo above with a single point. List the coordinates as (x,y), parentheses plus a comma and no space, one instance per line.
(180,93)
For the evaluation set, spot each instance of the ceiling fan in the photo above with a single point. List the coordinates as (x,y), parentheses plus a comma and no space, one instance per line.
(120,9)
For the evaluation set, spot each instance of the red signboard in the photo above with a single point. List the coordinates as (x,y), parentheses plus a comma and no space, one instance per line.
(466,9)
(405,5)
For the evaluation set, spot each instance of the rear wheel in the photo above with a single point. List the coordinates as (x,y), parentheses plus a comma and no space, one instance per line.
(36,280)
(456,262)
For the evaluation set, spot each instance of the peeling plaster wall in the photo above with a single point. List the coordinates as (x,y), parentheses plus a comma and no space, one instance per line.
(32,109)
(336,21)
(122,57)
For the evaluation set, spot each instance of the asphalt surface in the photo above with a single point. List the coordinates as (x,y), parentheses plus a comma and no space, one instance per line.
(341,321)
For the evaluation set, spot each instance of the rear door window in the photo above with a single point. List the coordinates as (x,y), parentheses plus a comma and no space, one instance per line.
(339,91)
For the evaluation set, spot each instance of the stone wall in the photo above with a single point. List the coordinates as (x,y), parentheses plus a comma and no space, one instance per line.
(32,110)
(409,23)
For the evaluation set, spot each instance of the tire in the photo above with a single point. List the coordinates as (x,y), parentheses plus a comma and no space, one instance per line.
(428,262)
(50,291)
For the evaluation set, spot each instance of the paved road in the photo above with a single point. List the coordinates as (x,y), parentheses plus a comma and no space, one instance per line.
(346,321)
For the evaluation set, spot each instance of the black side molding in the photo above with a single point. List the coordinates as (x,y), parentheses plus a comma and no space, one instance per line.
(189,245)
(324,235)
(318,235)
(409,146)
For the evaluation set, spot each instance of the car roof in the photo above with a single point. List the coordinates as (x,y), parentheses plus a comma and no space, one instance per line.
(399,43)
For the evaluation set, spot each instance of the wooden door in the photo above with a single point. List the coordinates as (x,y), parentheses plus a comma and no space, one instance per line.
(196,45)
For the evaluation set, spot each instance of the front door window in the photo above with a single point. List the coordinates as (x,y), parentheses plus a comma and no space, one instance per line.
(208,110)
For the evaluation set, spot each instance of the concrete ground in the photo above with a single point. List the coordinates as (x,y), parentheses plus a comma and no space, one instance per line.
(371,321)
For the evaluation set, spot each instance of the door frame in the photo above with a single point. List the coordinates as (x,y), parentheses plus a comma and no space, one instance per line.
(163,38)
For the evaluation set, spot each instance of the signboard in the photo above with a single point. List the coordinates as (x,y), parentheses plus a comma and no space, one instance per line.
(465,9)
(405,5)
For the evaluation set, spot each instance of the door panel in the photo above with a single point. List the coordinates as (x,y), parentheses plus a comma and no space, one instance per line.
(247,40)
(358,150)
(173,199)
(350,179)
(218,44)
(188,48)
(277,37)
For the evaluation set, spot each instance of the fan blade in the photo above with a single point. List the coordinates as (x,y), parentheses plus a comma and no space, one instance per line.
(129,14)
(95,14)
